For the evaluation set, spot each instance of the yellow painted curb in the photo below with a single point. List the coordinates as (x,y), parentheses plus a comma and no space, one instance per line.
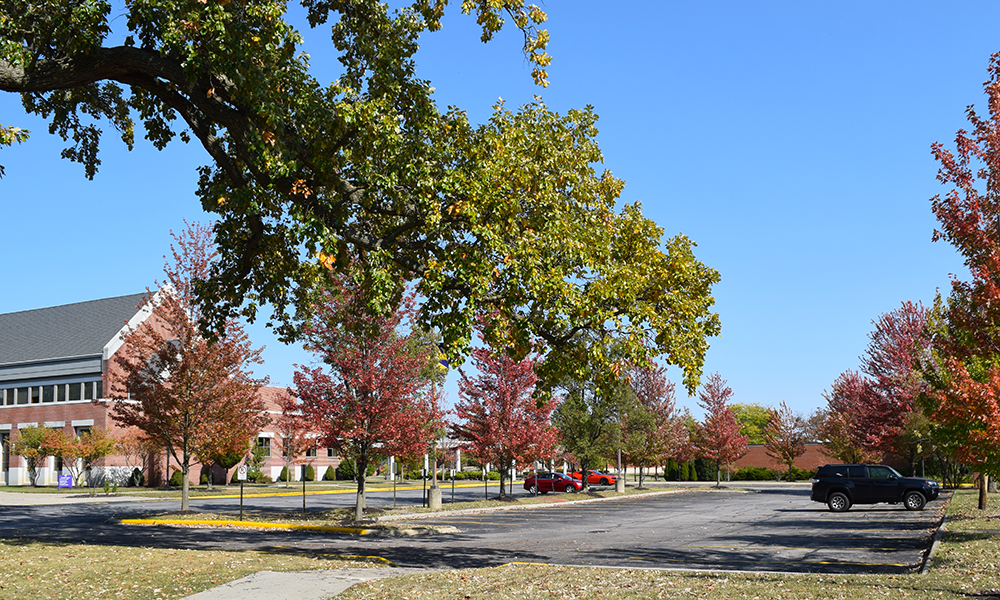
(326,528)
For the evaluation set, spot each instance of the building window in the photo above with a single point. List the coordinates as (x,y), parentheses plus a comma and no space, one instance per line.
(74,391)
(22,395)
(61,392)
(329,453)
(99,387)
(36,394)
(311,453)
(265,446)
(49,393)
(88,390)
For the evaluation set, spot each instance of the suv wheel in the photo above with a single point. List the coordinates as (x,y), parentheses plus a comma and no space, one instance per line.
(914,501)
(839,502)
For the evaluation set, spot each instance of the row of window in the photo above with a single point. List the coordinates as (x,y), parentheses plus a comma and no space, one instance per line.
(62,392)
(265,444)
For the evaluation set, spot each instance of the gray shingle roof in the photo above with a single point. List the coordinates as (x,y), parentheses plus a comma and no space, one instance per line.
(80,329)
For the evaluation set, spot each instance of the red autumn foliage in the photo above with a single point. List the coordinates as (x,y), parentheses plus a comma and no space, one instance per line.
(370,401)
(785,435)
(499,418)
(295,435)
(867,414)
(667,436)
(718,438)
(963,369)
(195,398)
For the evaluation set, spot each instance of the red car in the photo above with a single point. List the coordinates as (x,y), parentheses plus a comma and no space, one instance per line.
(543,483)
(596,477)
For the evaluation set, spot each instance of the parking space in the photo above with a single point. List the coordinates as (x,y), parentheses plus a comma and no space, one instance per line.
(753,530)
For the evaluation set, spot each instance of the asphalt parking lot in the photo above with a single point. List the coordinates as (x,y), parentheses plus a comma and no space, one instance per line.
(763,529)
(756,528)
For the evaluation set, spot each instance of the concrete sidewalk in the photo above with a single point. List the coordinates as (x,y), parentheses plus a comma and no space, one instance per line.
(77,497)
(298,585)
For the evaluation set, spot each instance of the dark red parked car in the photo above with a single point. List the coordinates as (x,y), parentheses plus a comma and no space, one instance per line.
(543,483)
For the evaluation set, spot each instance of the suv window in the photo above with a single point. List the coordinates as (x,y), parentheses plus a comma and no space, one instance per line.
(880,472)
(856,472)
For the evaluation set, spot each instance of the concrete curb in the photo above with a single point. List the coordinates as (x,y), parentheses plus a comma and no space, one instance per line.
(925,568)
(372,532)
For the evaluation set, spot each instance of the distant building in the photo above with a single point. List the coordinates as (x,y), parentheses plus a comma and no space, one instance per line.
(54,365)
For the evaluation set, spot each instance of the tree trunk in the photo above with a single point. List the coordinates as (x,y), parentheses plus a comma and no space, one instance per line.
(361,467)
(984,481)
(185,484)
(584,472)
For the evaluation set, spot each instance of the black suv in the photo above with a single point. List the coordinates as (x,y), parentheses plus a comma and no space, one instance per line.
(840,486)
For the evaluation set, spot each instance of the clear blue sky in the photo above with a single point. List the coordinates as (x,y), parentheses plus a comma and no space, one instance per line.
(789,140)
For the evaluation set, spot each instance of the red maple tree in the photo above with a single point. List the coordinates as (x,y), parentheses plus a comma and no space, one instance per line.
(499,418)
(718,438)
(663,433)
(371,400)
(194,397)
(962,365)
(785,436)
(296,436)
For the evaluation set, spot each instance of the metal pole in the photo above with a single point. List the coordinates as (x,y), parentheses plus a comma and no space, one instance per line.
(453,486)
(241,500)
(303,494)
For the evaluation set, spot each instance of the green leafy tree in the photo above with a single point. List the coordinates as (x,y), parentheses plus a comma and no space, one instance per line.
(34,444)
(753,419)
(589,419)
(303,175)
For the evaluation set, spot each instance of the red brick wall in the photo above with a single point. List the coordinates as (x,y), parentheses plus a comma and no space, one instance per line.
(813,458)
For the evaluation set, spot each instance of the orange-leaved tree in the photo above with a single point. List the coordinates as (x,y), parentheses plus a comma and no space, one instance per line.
(192,396)
(962,365)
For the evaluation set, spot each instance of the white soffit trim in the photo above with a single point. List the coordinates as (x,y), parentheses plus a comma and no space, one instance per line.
(54,423)
(5,427)
(23,425)
(82,423)
(267,434)
(137,319)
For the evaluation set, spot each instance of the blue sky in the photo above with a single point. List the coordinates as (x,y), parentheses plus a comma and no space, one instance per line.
(789,140)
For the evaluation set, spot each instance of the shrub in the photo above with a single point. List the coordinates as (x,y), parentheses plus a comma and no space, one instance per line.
(284,474)
(204,478)
(671,470)
(330,475)
(176,478)
(345,471)
(310,473)
(754,474)
(136,479)
(797,474)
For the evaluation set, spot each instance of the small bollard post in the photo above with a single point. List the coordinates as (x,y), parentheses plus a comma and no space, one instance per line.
(453,486)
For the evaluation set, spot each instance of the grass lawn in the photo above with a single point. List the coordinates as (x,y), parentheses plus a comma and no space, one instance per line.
(967,565)
(36,571)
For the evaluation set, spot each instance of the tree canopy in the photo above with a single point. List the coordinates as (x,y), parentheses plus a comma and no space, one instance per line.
(511,216)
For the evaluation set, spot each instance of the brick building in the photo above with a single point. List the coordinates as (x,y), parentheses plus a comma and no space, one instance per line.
(54,366)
